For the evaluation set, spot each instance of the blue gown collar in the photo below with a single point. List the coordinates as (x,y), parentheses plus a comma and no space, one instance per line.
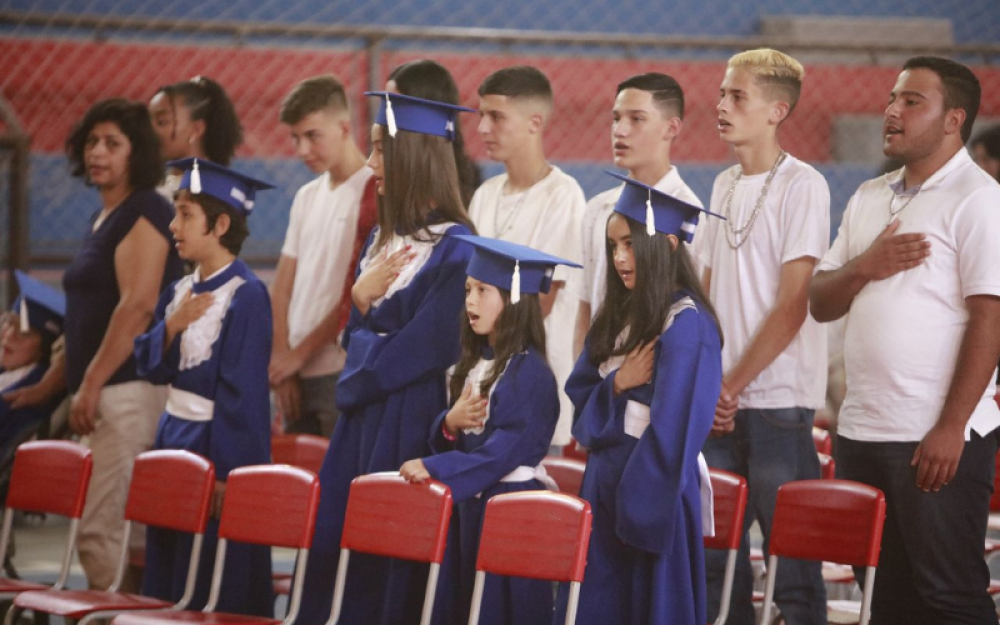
(235,268)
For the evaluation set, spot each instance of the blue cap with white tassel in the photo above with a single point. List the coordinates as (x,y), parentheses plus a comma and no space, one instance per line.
(429,117)
(506,265)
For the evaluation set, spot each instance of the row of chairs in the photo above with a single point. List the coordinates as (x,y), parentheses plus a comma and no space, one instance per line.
(275,505)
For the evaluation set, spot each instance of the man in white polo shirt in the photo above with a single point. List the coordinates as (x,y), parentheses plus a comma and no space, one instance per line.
(915,269)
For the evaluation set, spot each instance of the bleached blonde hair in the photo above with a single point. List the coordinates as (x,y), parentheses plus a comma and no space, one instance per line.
(779,75)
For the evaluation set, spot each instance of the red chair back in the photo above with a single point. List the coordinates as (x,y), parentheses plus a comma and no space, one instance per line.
(535,534)
(567,473)
(50,477)
(832,520)
(823,441)
(388,516)
(574,451)
(171,488)
(995,499)
(827,467)
(270,505)
(729,496)
(305,451)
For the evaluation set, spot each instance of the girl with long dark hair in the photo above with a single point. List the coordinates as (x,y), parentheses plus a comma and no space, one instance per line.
(645,390)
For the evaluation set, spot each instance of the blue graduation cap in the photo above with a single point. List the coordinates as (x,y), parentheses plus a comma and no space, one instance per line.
(511,266)
(232,187)
(427,117)
(660,212)
(39,306)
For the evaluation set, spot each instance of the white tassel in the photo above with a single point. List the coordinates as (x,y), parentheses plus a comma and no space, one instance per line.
(515,284)
(390,116)
(24,315)
(650,217)
(195,179)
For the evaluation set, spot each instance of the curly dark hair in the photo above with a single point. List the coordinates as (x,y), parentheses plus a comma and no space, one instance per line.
(145,165)
(206,100)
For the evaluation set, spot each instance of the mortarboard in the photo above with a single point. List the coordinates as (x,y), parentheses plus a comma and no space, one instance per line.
(39,306)
(427,117)
(232,187)
(660,212)
(511,266)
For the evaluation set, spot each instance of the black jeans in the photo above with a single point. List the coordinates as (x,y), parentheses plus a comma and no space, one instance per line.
(932,568)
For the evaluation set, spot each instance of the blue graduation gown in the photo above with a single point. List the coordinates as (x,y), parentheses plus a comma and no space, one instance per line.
(16,423)
(224,372)
(646,560)
(390,391)
(523,411)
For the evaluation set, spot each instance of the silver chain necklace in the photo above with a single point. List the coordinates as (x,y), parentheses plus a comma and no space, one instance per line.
(501,229)
(738,236)
(894,213)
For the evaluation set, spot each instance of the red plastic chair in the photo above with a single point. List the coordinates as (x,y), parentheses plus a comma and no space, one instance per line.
(49,477)
(575,451)
(534,534)
(271,505)
(729,496)
(305,451)
(171,489)
(388,516)
(823,441)
(827,467)
(567,473)
(827,520)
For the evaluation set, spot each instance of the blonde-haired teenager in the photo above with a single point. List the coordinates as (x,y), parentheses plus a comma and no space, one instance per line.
(757,266)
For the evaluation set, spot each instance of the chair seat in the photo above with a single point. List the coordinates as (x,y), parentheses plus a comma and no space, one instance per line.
(79,603)
(13,586)
(842,612)
(170,617)
(282,585)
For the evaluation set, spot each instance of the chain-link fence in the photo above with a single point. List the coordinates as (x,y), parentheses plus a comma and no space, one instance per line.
(61,56)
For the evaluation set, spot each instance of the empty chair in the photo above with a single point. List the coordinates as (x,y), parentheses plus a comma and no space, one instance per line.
(566,472)
(535,534)
(575,451)
(305,451)
(171,489)
(729,496)
(48,477)
(271,505)
(827,520)
(388,516)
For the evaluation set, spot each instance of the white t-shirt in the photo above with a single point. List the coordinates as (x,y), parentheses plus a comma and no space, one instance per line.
(595,219)
(793,223)
(547,218)
(322,229)
(903,333)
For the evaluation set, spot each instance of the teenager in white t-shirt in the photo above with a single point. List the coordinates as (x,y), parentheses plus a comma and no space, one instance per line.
(757,267)
(330,219)
(532,203)
(914,270)
(648,115)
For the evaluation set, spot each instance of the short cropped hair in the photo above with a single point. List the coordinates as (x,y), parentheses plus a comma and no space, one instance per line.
(779,75)
(990,140)
(518,81)
(145,165)
(311,95)
(667,93)
(213,208)
(960,87)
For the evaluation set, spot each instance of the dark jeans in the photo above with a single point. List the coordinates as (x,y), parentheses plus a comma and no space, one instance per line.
(931,568)
(318,413)
(769,447)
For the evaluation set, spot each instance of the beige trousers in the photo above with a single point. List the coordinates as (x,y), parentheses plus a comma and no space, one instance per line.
(127,417)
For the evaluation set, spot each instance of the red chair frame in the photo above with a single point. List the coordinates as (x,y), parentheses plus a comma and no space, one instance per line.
(729,496)
(171,489)
(576,451)
(827,520)
(827,467)
(823,441)
(305,451)
(566,472)
(534,534)
(271,505)
(388,516)
(49,477)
